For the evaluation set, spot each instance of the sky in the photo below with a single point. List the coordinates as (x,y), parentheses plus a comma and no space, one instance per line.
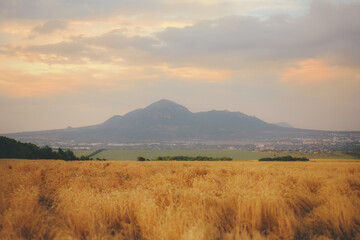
(79,62)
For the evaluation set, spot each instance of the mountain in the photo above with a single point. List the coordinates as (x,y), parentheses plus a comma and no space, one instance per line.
(166,121)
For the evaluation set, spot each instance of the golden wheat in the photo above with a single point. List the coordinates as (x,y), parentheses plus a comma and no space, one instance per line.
(179,200)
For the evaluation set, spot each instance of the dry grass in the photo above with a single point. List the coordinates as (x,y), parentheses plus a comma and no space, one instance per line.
(177,200)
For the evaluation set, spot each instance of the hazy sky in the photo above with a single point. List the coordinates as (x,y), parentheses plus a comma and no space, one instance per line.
(78,62)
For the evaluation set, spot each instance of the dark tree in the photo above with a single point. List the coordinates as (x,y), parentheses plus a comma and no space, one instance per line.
(141,159)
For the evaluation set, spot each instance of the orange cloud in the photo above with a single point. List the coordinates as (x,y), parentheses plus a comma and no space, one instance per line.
(41,82)
(28,80)
(17,27)
(311,71)
(199,74)
(19,84)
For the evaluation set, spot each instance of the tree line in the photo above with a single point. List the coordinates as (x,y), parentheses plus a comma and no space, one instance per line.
(10,148)
(185,158)
(285,159)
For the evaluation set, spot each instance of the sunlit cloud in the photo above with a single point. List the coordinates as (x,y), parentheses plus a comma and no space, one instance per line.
(314,71)
(17,27)
(16,84)
(44,81)
(23,79)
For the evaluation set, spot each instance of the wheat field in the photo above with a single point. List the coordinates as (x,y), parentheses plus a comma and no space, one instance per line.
(179,200)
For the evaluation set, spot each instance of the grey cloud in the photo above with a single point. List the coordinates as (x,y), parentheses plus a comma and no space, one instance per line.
(232,42)
(66,52)
(327,30)
(117,40)
(50,27)
(99,49)
(53,9)
(80,9)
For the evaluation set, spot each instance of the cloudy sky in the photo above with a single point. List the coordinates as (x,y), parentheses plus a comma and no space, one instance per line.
(78,62)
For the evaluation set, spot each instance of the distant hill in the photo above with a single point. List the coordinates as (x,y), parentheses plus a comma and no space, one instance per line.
(168,121)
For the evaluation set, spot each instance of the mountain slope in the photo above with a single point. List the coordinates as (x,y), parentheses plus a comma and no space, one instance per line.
(284,124)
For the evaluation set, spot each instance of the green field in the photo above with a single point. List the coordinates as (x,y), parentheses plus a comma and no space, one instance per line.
(234,154)
(78,153)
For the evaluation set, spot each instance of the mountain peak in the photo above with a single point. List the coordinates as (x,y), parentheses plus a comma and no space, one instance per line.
(165,104)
